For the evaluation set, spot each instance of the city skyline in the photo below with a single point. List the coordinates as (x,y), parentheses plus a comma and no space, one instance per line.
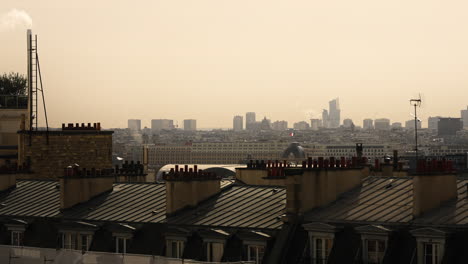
(286,63)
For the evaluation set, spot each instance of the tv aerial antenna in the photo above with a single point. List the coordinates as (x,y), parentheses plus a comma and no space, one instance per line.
(416,103)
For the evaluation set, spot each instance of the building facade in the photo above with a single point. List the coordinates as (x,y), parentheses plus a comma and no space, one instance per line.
(190,125)
(250,120)
(238,123)
(134,124)
(161,124)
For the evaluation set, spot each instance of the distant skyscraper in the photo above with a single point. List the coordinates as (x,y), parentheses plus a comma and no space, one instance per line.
(249,120)
(334,114)
(433,122)
(238,123)
(325,118)
(410,124)
(190,124)
(348,123)
(315,124)
(396,125)
(368,124)
(464,117)
(279,125)
(449,126)
(265,124)
(160,124)
(134,124)
(382,124)
(301,125)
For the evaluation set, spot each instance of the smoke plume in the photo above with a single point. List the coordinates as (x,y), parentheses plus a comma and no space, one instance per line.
(15,19)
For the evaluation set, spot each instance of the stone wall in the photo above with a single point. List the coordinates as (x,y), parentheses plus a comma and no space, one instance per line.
(49,157)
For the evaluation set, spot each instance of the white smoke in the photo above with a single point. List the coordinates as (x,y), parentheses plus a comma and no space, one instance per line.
(15,19)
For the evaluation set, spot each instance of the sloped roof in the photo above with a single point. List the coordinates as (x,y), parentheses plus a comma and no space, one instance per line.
(390,200)
(257,207)
(31,198)
(236,206)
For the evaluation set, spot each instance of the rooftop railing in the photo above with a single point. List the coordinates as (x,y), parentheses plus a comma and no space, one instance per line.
(13,101)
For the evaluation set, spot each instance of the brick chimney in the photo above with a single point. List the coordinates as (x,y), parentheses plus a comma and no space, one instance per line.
(434,183)
(186,187)
(263,173)
(320,182)
(79,186)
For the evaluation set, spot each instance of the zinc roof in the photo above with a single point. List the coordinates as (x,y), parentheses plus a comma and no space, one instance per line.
(31,198)
(390,200)
(241,206)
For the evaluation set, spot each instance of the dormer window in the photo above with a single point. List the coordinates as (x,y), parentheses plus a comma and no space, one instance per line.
(214,241)
(174,248)
(322,247)
(321,237)
(430,245)
(76,240)
(375,249)
(374,240)
(76,235)
(176,238)
(17,238)
(16,228)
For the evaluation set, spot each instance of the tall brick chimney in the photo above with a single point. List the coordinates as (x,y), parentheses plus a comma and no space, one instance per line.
(434,183)
(79,186)
(187,187)
(320,182)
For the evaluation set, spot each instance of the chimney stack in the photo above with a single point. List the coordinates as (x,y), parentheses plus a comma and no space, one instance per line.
(79,186)
(434,184)
(187,188)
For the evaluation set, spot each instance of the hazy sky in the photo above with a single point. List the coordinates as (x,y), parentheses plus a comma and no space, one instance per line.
(108,60)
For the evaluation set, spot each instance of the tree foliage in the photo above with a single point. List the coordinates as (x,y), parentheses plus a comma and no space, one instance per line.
(13,83)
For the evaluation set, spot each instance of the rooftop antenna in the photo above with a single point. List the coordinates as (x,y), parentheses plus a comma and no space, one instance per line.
(35,85)
(416,103)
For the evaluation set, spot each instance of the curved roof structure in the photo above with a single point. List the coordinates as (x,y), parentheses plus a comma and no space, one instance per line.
(222,170)
(296,150)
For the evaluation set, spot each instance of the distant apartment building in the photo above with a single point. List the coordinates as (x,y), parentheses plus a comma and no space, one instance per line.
(161,124)
(382,124)
(334,114)
(134,124)
(302,125)
(214,152)
(315,124)
(368,124)
(348,123)
(433,122)
(464,117)
(238,123)
(410,124)
(280,125)
(396,125)
(446,150)
(448,126)
(190,125)
(325,119)
(250,120)
(370,151)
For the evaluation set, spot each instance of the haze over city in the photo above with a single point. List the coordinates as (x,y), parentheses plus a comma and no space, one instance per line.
(210,60)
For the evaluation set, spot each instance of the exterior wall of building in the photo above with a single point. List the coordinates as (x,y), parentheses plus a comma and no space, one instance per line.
(238,123)
(214,153)
(160,124)
(190,125)
(449,126)
(89,149)
(464,117)
(368,124)
(134,124)
(382,124)
(249,120)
